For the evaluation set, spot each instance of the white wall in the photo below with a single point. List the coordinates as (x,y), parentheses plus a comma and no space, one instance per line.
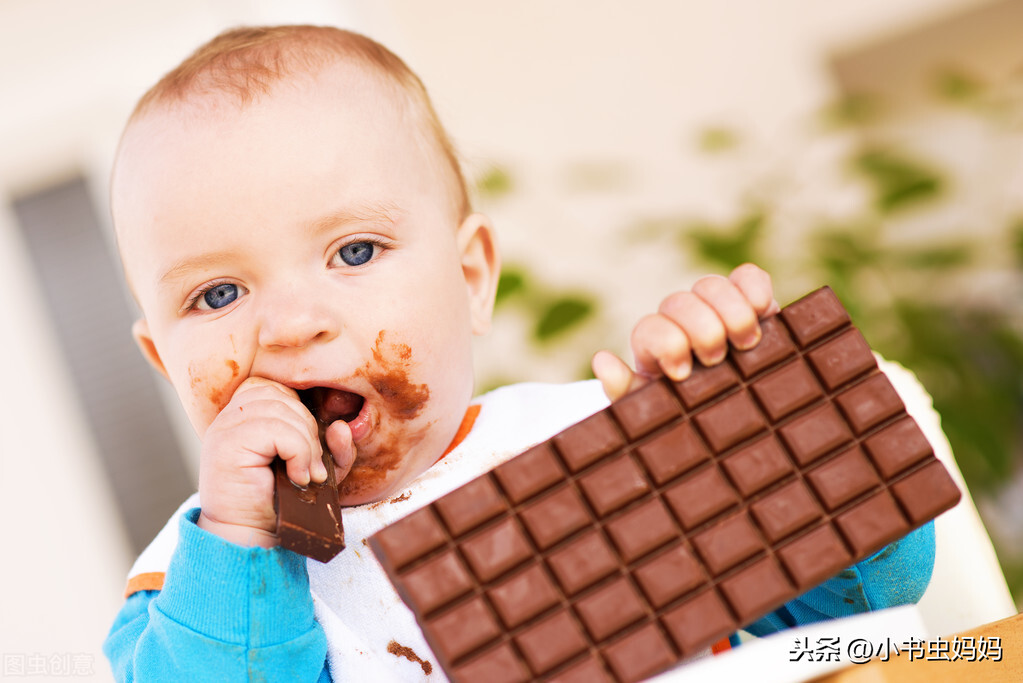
(535,85)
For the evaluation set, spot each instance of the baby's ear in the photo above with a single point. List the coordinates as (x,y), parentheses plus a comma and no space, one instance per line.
(140,330)
(481,266)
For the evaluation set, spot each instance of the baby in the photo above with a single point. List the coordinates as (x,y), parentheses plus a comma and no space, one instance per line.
(296,230)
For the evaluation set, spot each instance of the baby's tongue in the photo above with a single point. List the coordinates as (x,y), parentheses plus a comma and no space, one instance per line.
(329,405)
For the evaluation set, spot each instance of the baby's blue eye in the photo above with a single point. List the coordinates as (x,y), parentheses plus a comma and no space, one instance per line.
(221,295)
(357,253)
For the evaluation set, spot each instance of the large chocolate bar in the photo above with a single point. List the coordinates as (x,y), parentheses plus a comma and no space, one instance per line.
(682,512)
(309,517)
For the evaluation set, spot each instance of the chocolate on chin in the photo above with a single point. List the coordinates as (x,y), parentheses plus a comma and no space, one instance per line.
(308,517)
(684,511)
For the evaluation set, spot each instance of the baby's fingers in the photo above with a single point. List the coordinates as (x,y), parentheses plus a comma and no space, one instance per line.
(659,346)
(615,376)
(735,312)
(701,324)
(302,456)
(755,284)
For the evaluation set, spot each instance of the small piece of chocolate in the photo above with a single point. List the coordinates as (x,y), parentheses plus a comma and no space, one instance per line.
(682,512)
(309,517)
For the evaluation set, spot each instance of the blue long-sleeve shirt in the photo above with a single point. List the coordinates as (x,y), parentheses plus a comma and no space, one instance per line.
(230,613)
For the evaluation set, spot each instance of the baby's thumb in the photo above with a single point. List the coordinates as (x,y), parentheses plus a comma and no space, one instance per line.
(615,375)
(339,442)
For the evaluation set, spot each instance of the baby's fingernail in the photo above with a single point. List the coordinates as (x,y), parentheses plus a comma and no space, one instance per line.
(678,371)
(713,357)
(749,341)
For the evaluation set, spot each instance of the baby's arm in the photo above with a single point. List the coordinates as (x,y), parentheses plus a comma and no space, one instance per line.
(233,603)
(225,613)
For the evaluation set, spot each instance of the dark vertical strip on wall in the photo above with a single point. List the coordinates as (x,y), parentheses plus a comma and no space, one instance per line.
(80,279)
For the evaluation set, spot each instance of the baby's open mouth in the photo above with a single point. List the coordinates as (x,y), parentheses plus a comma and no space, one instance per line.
(328,405)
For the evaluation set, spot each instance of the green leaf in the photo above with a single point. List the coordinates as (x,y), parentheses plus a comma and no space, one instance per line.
(898,181)
(956,85)
(512,281)
(728,246)
(939,258)
(562,315)
(853,110)
(495,183)
(717,139)
(1016,235)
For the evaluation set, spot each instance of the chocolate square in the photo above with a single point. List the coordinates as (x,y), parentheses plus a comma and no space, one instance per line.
(640,654)
(698,622)
(785,511)
(497,549)
(552,641)
(669,575)
(500,665)
(470,506)
(534,471)
(641,530)
(588,441)
(757,589)
(843,478)
(730,422)
(583,562)
(672,452)
(700,497)
(523,596)
(755,467)
(611,486)
(555,517)
(437,582)
(705,383)
(869,403)
(645,409)
(610,609)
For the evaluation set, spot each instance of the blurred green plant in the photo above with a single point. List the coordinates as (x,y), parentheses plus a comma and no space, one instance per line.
(718,139)
(495,182)
(553,316)
(898,181)
(556,311)
(956,85)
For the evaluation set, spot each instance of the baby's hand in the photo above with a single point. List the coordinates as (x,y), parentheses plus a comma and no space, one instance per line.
(700,322)
(264,419)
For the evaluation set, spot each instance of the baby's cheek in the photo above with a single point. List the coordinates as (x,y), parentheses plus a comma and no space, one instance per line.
(211,385)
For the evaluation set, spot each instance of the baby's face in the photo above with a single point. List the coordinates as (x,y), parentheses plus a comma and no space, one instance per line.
(309,239)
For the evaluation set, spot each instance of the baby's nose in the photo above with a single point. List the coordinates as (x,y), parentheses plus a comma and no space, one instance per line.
(296,318)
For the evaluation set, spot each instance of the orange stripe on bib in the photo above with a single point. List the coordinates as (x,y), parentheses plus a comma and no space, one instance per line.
(149,581)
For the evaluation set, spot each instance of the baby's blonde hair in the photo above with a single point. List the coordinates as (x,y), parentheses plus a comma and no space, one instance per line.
(247,62)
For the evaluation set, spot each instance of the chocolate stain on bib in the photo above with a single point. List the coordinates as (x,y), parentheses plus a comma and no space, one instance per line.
(408,653)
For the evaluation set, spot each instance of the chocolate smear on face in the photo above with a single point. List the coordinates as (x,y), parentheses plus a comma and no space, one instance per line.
(214,387)
(389,376)
(403,400)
